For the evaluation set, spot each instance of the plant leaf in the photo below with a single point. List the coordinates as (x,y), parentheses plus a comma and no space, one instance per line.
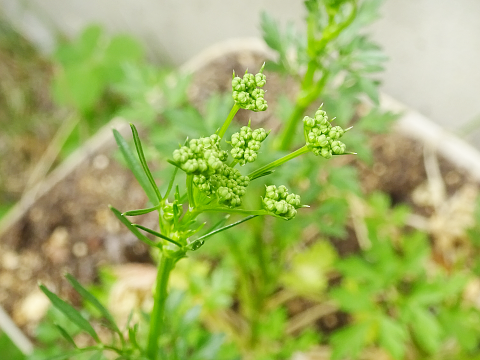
(94,301)
(70,312)
(66,335)
(141,156)
(140,211)
(134,230)
(392,337)
(134,166)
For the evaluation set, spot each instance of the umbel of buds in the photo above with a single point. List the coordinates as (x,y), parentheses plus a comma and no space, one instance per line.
(204,159)
(321,137)
(247,93)
(246,144)
(279,202)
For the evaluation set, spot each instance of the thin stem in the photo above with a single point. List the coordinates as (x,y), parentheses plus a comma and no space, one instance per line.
(229,119)
(229,210)
(191,198)
(158,312)
(304,149)
(302,103)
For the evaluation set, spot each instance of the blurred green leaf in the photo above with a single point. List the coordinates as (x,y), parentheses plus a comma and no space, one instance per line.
(376,121)
(350,340)
(135,166)
(392,337)
(66,335)
(86,295)
(345,178)
(308,270)
(425,328)
(72,313)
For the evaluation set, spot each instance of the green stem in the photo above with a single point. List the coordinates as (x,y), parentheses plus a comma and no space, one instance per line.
(304,149)
(158,312)
(310,92)
(229,119)
(191,198)
(302,103)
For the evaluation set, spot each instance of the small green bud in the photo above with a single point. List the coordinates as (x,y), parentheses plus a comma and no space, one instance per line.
(237,140)
(336,132)
(190,166)
(181,155)
(259,134)
(254,145)
(282,192)
(326,153)
(249,81)
(309,122)
(291,213)
(269,204)
(260,79)
(202,165)
(261,104)
(293,200)
(281,207)
(238,84)
(224,193)
(237,153)
(321,141)
(338,148)
(258,94)
(245,133)
(250,155)
(241,97)
(271,192)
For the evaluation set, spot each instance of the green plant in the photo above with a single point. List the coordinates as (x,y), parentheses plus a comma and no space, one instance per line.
(212,185)
(397,297)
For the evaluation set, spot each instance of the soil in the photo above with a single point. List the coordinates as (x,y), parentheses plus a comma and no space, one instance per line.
(70,228)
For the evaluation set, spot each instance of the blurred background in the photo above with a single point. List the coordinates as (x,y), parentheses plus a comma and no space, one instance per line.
(432,46)
(396,227)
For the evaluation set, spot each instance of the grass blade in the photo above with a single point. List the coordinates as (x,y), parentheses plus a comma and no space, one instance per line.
(70,312)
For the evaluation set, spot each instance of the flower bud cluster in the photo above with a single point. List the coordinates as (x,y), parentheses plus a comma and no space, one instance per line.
(204,159)
(322,138)
(246,144)
(280,202)
(246,92)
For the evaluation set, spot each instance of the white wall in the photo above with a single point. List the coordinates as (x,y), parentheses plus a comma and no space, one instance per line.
(434,45)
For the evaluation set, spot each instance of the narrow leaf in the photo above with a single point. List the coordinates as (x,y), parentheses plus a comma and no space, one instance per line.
(134,166)
(140,211)
(66,335)
(94,301)
(200,240)
(141,156)
(70,312)
(133,229)
(170,184)
(220,223)
(157,234)
(268,172)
